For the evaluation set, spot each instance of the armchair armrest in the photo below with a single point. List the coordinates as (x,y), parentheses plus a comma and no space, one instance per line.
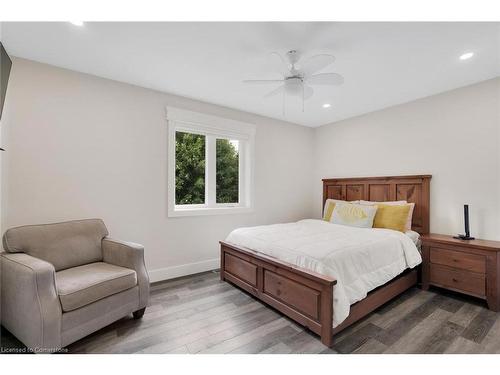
(30,304)
(128,255)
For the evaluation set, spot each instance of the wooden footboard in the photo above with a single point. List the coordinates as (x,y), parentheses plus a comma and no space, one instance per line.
(302,295)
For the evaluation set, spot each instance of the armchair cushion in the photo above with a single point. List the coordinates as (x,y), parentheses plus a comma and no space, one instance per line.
(83,285)
(64,245)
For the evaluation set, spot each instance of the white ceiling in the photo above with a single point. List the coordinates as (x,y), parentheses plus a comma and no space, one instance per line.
(383,64)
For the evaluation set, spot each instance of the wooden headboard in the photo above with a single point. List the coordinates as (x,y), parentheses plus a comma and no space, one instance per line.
(413,189)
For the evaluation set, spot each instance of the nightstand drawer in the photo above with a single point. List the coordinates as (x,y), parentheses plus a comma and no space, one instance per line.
(459,280)
(457,259)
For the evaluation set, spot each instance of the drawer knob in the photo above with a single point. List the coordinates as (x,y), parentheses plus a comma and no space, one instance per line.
(455,260)
(454,280)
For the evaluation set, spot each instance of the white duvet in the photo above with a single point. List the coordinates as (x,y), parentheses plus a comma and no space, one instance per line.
(361,259)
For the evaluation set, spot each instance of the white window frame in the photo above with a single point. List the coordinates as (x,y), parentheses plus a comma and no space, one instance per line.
(213,128)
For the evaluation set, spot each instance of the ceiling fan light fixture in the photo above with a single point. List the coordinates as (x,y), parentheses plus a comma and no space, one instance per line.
(293,86)
(326,105)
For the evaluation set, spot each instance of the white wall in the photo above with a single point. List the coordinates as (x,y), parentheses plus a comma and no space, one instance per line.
(455,136)
(81,146)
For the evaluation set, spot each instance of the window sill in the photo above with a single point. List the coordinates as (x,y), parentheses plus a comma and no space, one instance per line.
(202,211)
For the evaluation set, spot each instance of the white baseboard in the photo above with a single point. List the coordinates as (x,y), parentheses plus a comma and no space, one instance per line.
(182,270)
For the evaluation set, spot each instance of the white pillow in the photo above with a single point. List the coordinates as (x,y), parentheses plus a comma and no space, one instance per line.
(395,203)
(354,215)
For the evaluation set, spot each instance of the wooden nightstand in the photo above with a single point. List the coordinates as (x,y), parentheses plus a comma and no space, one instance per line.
(470,267)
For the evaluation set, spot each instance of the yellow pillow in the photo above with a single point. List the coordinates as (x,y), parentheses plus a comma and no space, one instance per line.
(329,206)
(391,216)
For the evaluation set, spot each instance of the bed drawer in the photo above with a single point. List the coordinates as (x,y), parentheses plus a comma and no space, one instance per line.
(292,293)
(241,269)
(457,259)
(465,281)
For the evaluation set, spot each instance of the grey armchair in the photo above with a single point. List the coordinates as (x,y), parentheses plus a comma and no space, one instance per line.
(61,282)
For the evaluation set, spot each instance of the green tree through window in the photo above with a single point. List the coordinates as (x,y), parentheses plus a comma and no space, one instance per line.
(227,176)
(189,168)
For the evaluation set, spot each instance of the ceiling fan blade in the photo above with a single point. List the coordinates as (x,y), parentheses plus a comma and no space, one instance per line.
(325,79)
(315,63)
(275,92)
(263,81)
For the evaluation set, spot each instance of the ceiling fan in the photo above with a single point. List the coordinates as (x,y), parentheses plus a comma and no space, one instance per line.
(299,76)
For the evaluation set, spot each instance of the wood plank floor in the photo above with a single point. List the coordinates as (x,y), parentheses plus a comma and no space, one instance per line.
(200,314)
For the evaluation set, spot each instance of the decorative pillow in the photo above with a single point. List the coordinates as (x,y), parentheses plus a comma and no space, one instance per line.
(396,203)
(354,215)
(392,216)
(329,206)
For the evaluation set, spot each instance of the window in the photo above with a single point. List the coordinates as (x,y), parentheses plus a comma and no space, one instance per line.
(189,168)
(227,171)
(210,164)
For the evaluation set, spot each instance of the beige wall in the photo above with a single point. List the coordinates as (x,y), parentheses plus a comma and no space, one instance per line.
(81,146)
(455,136)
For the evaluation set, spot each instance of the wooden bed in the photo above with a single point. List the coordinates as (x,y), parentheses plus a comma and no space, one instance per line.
(307,297)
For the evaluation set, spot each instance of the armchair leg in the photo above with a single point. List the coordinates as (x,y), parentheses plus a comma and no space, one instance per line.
(139,313)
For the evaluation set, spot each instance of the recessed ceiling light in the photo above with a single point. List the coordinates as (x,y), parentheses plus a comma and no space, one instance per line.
(466,55)
(327,105)
(77,23)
